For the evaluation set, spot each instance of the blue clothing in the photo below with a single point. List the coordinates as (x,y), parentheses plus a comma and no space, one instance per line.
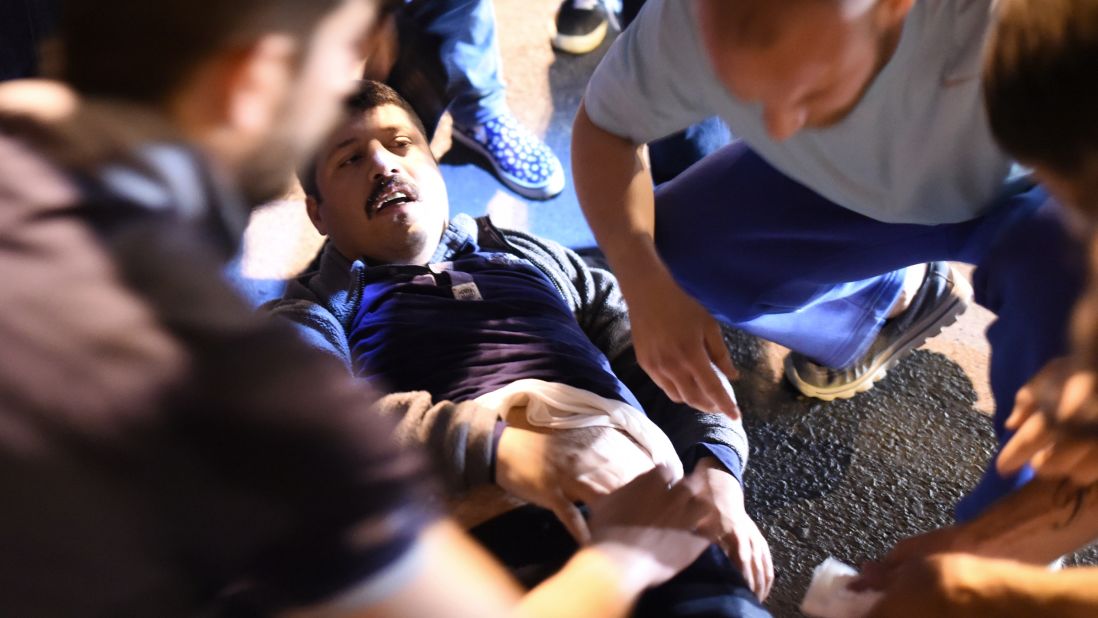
(916,149)
(469,52)
(776,259)
(325,302)
(470,326)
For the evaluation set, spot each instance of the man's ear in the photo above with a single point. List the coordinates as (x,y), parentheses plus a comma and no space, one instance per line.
(257,79)
(312,206)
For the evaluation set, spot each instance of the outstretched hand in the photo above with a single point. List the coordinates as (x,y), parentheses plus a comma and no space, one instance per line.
(681,347)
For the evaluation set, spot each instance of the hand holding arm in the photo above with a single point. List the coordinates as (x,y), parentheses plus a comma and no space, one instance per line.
(555,469)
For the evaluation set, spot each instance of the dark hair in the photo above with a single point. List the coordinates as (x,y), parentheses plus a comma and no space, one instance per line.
(368,95)
(1041,82)
(144,50)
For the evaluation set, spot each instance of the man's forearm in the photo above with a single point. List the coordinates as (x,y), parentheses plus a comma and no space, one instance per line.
(1071,593)
(1039,523)
(614,187)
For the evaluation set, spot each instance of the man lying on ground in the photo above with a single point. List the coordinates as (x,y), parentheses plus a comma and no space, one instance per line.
(482,333)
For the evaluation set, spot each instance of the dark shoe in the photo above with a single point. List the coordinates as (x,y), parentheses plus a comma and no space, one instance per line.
(943,296)
(580,26)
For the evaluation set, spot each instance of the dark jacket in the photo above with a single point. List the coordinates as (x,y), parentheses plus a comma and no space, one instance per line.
(161,445)
(323,301)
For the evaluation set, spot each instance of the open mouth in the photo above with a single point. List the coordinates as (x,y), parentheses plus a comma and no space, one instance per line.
(392,192)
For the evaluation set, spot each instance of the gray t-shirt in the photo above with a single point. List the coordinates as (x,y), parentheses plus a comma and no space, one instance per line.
(916,149)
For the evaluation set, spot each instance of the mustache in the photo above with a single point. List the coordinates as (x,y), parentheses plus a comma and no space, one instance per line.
(387,188)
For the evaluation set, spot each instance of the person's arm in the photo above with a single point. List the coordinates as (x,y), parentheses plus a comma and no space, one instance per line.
(1039,523)
(460,437)
(678,342)
(948,585)
(641,540)
(639,92)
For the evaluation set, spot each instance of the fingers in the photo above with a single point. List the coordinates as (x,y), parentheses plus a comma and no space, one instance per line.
(1025,404)
(764,563)
(696,506)
(874,576)
(750,553)
(572,519)
(723,370)
(693,367)
(718,353)
(740,553)
(1069,458)
(1032,437)
(699,383)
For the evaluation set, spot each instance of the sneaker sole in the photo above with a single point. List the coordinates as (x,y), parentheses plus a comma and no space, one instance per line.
(946,316)
(577,44)
(552,187)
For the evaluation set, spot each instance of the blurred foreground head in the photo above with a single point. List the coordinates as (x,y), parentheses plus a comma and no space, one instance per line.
(1041,91)
(254,83)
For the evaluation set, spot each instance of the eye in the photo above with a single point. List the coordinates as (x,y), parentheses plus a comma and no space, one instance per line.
(351,160)
(401,143)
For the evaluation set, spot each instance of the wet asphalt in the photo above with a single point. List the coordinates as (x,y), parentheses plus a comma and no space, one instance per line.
(850,478)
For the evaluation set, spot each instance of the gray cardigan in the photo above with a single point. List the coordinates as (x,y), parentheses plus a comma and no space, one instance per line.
(459,436)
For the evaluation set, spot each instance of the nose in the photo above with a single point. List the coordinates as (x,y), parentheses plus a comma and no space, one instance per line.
(382,163)
(784,123)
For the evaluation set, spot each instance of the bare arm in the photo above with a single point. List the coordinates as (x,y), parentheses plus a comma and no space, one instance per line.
(1038,524)
(949,585)
(640,539)
(614,186)
(678,342)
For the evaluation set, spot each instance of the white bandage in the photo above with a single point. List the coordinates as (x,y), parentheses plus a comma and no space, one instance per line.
(828,596)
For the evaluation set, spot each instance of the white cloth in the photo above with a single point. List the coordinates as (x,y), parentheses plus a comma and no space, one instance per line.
(559,406)
(828,596)
(916,149)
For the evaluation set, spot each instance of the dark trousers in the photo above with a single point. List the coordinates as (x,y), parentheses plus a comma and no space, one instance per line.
(533,544)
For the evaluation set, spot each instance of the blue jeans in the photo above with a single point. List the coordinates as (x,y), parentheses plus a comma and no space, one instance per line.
(768,255)
(533,544)
(465,31)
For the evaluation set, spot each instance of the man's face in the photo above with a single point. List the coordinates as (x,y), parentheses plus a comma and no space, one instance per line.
(381,193)
(309,103)
(814,69)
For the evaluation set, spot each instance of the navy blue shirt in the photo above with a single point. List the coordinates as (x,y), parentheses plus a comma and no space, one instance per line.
(471,326)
